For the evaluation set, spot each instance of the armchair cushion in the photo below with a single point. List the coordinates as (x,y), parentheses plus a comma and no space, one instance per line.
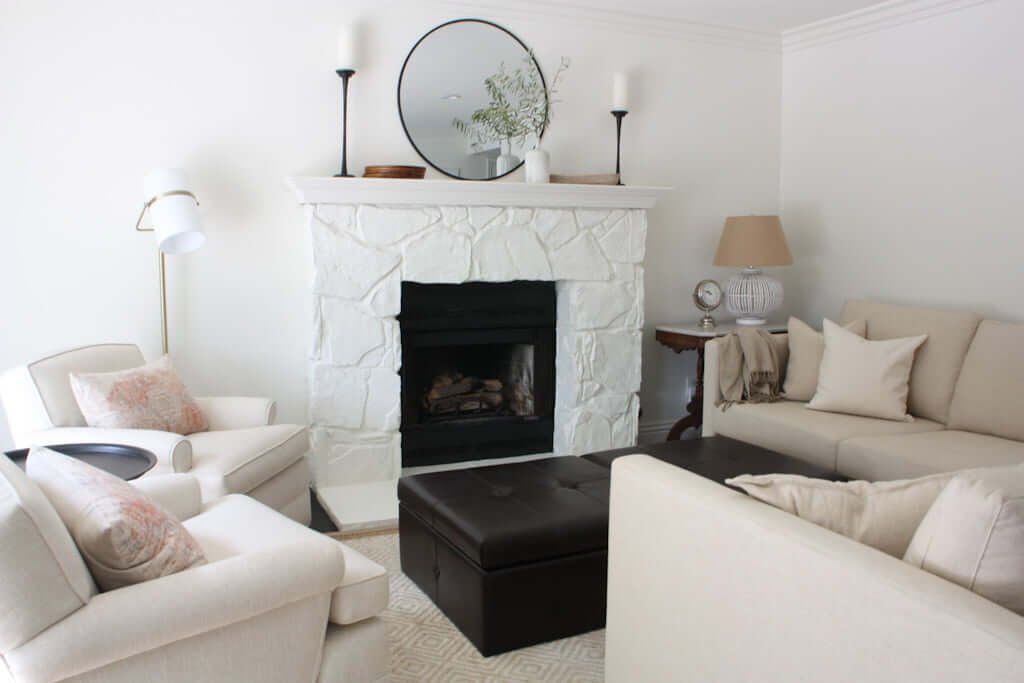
(236,412)
(44,577)
(177,493)
(151,396)
(364,591)
(124,536)
(237,461)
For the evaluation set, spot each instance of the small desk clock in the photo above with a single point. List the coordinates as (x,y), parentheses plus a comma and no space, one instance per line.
(707,296)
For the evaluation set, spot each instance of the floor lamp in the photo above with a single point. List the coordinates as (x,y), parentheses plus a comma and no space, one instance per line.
(174,217)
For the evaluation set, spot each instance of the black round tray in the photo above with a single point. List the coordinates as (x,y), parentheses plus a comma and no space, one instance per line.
(127,462)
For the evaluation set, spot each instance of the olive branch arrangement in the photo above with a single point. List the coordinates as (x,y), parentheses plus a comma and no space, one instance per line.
(520,105)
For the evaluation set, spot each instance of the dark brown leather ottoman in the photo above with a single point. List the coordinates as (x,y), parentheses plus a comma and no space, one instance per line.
(515,554)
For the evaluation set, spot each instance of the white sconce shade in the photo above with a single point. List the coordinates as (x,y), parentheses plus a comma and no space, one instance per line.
(174,211)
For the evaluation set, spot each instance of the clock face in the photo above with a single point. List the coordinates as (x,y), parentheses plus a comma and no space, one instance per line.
(707,295)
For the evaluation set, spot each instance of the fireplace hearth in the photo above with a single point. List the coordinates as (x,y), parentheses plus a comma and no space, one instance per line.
(478,370)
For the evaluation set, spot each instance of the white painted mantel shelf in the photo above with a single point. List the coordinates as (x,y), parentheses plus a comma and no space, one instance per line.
(370,235)
(380,191)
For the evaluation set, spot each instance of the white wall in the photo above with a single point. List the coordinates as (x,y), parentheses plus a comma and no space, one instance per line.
(244,94)
(901,161)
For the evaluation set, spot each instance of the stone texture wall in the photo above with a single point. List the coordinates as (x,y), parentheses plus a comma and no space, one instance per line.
(363,253)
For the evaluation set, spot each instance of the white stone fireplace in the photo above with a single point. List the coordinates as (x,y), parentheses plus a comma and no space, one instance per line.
(369,235)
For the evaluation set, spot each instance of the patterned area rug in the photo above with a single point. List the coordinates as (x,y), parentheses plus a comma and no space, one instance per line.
(426,647)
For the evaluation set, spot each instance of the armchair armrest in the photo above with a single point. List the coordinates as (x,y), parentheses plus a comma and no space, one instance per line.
(237,412)
(137,619)
(179,494)
(173,451)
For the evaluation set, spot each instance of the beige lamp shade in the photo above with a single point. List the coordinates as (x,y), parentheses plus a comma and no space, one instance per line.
(753,241)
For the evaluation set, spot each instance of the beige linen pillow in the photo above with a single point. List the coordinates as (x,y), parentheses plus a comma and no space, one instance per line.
(861,377)
(123,536)
(973,535)
(148,397)
(883,515)
(806,347)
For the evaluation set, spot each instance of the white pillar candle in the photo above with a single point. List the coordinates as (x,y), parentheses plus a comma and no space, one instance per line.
(347,47)
(620,93)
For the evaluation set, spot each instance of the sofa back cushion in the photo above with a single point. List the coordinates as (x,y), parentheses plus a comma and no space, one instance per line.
(42,576)
(937,362)
(988,394)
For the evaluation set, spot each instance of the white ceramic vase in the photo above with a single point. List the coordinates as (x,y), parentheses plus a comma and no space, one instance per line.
(538,166)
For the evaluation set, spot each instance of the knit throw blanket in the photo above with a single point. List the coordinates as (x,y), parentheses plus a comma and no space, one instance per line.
(748,369)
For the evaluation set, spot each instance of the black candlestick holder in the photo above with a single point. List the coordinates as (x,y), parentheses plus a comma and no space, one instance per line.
(345,74)
(619,114)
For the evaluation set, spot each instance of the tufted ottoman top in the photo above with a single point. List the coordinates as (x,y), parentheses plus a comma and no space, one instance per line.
(510,514)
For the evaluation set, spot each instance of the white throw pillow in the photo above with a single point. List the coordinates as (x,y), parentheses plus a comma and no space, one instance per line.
(148,397)
(973,535)
(123,535)
(861,377)
(883,515)
(806,348)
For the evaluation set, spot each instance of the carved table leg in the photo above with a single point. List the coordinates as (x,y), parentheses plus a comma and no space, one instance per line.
(695,408)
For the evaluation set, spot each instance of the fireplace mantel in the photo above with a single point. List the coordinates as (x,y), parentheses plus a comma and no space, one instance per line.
(371,235)
(380,191)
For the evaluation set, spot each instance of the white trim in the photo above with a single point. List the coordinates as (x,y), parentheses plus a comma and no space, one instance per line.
(384,192)
(624,21)
(869,20)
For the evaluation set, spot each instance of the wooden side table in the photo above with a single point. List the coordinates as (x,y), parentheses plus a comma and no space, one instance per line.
(692,337)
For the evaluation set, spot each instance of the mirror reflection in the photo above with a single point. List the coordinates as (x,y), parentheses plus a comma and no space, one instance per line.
(459,88)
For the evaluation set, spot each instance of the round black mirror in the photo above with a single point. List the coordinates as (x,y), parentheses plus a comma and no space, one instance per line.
(470,97)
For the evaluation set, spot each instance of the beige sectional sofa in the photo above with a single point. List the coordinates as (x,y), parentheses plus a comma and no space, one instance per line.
(965,395)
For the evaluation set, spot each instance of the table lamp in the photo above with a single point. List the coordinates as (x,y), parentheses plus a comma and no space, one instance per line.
(174,218)
(753,242)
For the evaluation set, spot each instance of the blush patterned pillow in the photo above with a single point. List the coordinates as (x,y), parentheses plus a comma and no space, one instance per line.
(148,397)
(124,536)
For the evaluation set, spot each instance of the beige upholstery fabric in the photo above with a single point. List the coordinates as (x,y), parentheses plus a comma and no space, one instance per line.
(974,535)
(124,536)
(363,593)
(806,347)
(863,377)
(238,460)
(237,412)
(878,458)
(49,376)
(989,395)
(937,363)
(706,584)
(42,576)
(283,490)
(883,515)
(177,493)
(788,427)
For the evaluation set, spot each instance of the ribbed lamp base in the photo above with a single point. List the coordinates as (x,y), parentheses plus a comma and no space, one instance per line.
(752,296)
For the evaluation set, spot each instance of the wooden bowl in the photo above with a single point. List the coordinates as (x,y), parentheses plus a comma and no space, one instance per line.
(415,172)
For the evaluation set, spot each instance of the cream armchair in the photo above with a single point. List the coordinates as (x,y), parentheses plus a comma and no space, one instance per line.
(243,451)
(275,602)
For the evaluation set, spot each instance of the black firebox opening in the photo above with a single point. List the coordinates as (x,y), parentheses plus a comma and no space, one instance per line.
(478,370)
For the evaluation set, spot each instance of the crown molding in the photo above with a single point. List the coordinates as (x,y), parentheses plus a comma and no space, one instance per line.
(869,20)
(623,22)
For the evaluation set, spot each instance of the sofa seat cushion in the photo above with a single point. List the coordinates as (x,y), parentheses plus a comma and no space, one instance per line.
(878,458)
(790,428)
(364,592)
(239,460)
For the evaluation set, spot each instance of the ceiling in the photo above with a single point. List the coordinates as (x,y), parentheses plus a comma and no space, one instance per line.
(758,15)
